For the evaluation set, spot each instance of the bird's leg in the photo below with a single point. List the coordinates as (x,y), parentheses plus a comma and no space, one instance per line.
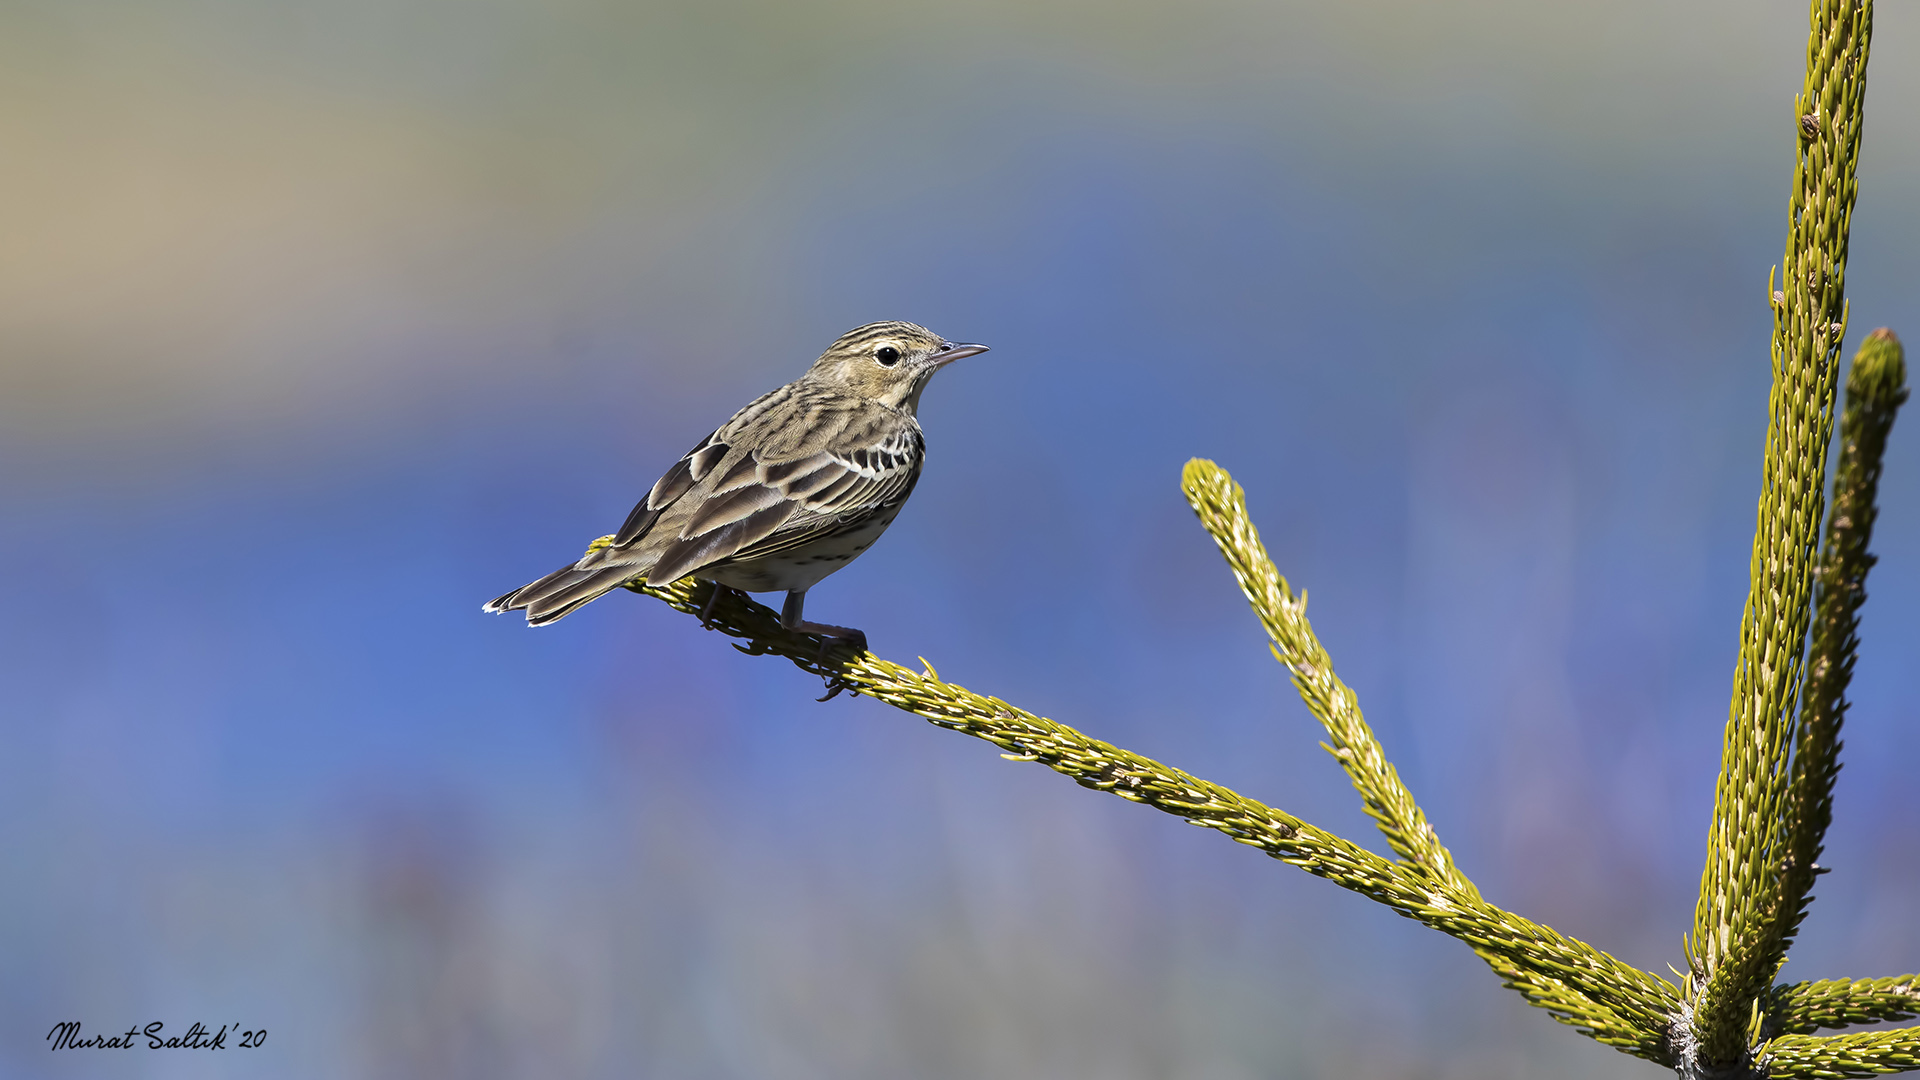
(706,609)
(790,618)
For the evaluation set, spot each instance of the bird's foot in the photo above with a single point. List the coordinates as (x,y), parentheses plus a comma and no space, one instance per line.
(835,684)
(856,639)
(829,633)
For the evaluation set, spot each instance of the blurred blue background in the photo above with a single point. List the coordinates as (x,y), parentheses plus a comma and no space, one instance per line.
(322,324)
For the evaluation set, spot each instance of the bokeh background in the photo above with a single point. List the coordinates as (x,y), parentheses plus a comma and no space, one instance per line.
(322,324)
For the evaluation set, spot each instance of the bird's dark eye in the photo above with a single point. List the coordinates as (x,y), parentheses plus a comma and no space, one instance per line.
(887,355)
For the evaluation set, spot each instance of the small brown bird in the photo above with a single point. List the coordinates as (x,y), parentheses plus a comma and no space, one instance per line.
(791,489)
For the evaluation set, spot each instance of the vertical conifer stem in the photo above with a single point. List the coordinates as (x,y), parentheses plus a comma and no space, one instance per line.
(1738,944)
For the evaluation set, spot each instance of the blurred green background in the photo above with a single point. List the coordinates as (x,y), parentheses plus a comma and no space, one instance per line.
(322,324)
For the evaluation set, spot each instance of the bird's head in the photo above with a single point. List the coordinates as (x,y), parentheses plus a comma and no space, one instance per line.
(887,362)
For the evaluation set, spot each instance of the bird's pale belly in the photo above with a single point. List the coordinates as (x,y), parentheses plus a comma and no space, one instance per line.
(801,567)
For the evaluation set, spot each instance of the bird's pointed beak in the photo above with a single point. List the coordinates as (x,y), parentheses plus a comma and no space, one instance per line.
(955,350)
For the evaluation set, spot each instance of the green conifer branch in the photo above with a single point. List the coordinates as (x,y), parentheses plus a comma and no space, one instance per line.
(1578,984)
(1222,509)
(1220,503)
(1865,1053)
(1804,1008)
(1741,919)
(1876,387)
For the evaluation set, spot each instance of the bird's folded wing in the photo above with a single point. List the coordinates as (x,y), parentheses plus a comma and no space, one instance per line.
(757,508)
(680,479)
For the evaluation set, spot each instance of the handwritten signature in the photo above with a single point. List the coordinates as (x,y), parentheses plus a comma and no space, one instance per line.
(66,1036)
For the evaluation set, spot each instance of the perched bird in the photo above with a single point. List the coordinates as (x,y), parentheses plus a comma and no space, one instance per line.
(791,489)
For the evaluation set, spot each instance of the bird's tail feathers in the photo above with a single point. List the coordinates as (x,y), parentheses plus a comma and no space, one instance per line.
(557,594)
